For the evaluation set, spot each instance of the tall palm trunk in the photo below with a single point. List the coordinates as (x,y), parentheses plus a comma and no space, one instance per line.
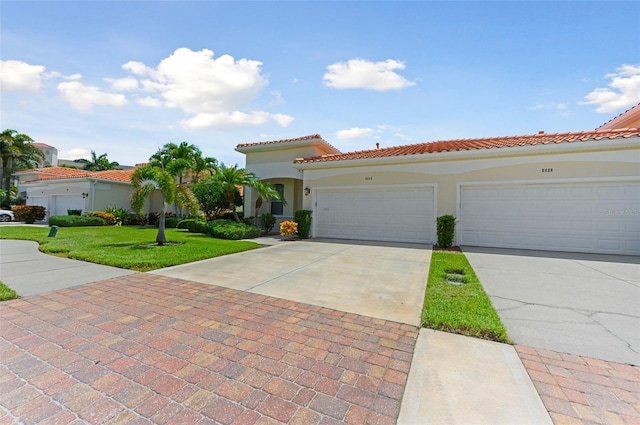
(161,238)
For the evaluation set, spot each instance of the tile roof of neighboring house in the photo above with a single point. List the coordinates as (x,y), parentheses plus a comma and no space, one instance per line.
(287,141)
(629,118)
(60,173)
(471,144)
(42,145)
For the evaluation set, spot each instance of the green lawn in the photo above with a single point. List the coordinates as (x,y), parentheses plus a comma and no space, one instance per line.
(128,247)
(7,293)
(462,309)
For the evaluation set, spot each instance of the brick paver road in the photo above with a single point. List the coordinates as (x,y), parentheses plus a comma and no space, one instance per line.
(581,390)
(146,349)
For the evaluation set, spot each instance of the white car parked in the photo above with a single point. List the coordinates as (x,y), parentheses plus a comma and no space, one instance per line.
(6,215)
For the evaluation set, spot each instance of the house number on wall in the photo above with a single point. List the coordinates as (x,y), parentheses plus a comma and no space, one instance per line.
(368,178)
(547,170)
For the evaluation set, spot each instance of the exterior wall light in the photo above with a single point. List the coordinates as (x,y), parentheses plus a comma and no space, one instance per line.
(85,195)
(307,191)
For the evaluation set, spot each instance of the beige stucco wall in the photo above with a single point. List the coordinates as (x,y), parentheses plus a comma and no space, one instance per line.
(448,174)
(110,195)
(292,196)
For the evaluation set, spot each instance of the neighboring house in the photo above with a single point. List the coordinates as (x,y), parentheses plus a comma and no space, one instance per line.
(50,155)
(576,192)
(59,189)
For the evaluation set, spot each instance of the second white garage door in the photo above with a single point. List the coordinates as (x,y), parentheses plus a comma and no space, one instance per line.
(379,214)
(599,217)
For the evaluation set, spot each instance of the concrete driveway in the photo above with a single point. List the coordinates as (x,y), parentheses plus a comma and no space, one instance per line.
(28,271)
(583,304)
(383,280)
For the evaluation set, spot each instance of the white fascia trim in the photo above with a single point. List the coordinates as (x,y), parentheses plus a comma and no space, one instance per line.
(72,180)
(529,150)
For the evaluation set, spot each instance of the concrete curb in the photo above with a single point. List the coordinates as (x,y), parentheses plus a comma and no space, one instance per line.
(461,380)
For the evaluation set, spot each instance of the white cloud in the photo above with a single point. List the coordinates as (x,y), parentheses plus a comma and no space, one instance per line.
(74,153)
(215,91)
(353,133)
(363,74)
(150,101)
(235,119)
(623,91)
(18,75)
(561,108)
(137,68)
(123,84)
(84,98)
(282,120)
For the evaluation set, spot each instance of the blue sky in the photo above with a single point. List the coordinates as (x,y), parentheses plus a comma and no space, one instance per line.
(124,78)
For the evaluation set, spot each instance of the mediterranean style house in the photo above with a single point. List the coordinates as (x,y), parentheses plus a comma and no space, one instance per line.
(576,192)
(59,189)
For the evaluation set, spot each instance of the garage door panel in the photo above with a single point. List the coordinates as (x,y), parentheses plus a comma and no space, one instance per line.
(393,214)
(584,217)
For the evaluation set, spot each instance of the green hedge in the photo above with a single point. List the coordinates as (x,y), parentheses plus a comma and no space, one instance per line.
(169,222)
(193,225)
(446,225)
(303,218)
(75,221)
(228,229)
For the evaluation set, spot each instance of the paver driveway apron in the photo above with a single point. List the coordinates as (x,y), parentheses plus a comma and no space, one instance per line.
(383,280)
(582,304)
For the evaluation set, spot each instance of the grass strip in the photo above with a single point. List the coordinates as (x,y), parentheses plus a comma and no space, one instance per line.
(464,308)
(7,293)
(127,247)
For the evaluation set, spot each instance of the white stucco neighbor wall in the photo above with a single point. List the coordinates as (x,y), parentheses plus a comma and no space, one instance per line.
(446,171)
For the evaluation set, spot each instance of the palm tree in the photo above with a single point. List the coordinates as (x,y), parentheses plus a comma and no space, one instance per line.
(266,192)
(98,163)
(202,164)
(17,153)
(178,160)
(147,179)
(232,177)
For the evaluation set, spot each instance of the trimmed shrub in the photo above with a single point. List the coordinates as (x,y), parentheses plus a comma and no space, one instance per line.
(122,216)
(288,229)
(29,213)
(267,221)
(446,225)
(303,218)
(193,225)
(74,212)
(75,221)
(228,229)
(108,218)
(169,222)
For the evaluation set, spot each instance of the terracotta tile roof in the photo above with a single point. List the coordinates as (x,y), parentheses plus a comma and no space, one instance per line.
(59,173)
(476,144)
(273,142)
(629,118)
(42,145)
(284,142)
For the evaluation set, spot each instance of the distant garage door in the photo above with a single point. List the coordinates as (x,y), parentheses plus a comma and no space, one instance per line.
(381,214)
(62,203)
(577,217)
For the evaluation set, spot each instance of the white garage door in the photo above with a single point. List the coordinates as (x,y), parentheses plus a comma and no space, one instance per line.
(38,200)
(381,214)
(61,203)
(576,217)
